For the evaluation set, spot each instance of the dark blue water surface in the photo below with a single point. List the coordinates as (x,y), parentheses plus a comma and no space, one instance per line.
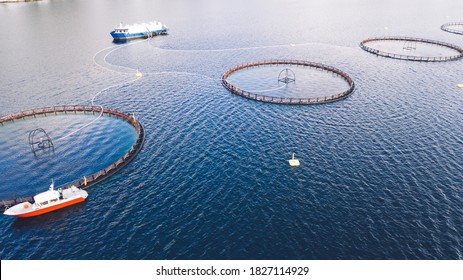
(77,151)
(381,171)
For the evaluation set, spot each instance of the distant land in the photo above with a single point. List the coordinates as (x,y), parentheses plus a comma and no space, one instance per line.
(15,1)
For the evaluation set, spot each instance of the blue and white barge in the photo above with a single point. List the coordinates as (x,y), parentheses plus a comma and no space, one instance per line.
(139,30)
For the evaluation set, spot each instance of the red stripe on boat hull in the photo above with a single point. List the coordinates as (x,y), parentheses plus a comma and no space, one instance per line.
(50,209)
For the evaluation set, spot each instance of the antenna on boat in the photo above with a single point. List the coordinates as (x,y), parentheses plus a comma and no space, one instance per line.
(52,185)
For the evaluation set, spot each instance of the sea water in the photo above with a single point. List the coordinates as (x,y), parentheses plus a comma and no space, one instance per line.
(380,174)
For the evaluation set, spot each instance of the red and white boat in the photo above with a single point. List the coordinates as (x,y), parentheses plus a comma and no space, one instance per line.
(48,201)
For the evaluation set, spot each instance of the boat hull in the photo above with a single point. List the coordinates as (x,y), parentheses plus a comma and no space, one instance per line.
(129,36)
(37,212)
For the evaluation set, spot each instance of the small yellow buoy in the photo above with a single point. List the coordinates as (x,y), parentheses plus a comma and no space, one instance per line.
(138,74)
(460,85)
(293,162)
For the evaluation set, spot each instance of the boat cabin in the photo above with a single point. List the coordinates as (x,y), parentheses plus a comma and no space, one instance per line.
(121,30)
(48,197)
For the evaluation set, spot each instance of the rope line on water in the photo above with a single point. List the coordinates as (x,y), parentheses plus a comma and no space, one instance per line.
(93,104)
(116,48)
(112,48)
(237,49)
(133,70)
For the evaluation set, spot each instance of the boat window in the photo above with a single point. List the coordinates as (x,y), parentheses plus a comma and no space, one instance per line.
(44,203)
(54,200)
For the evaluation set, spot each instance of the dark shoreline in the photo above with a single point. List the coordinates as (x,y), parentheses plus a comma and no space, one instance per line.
(17,1)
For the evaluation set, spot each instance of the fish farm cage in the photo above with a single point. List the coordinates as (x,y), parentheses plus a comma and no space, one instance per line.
(285,77)
(453,27)
(44,142)
(407,45)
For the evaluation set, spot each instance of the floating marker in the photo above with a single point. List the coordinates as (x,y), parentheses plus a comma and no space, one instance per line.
(293,45)
(293,162)
(460,85)
(138,74)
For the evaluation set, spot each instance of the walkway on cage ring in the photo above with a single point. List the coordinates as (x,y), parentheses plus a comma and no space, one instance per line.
(379,52)
(450,27)
(289,100)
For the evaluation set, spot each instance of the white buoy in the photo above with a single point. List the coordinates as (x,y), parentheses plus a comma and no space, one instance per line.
(293,45)
(293,161)
(138,74)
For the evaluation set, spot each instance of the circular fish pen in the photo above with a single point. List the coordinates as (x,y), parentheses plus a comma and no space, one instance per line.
(453,27)
(91,179)
(414,49)
(288,82)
